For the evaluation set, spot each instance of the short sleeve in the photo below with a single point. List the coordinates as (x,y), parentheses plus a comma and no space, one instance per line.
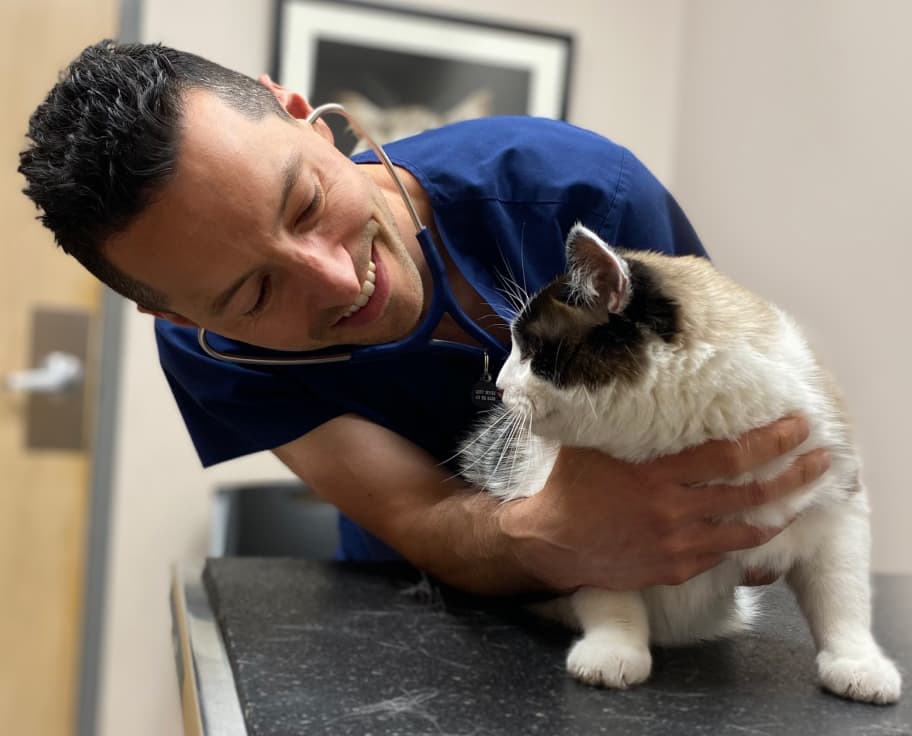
(232,410)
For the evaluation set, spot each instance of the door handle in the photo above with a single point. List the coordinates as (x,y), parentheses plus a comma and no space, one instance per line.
(57,373)
(55,392)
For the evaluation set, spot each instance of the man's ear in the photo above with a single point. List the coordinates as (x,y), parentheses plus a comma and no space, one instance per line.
(296,105)
(170,316)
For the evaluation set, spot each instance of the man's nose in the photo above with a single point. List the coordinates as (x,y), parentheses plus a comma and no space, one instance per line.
(325,274)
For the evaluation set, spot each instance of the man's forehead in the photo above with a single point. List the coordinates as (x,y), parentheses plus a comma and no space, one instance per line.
(224,155)
(210,124)
(223,169)
(230,176)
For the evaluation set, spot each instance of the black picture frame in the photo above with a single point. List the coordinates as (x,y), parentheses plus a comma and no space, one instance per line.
(416,68)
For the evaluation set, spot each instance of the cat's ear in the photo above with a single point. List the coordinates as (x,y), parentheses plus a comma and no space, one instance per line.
(598,275)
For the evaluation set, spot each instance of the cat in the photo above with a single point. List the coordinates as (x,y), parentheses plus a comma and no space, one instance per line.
(387,124)
(642,355)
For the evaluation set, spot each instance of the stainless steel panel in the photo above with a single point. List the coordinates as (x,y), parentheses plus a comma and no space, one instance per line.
(209,699)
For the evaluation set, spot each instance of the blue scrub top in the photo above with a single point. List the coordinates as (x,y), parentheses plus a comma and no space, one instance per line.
(504,193)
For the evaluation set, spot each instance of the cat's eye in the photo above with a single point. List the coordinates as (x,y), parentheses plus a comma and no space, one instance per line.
(531,345)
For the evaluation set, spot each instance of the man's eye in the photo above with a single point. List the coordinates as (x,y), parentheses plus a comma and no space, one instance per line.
(311,208)
(262,298)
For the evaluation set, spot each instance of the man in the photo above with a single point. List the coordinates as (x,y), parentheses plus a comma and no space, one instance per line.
(208,200)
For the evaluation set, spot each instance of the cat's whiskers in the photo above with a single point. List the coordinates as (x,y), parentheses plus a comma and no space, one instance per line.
(524,441)
(508,442)
(506,425)
(493,425)
(493,321)
(509,480)
(518,296)
(513,293)
(529,445)
(505,441)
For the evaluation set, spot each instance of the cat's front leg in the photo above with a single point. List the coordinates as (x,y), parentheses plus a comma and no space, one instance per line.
(614,649)
(833,589)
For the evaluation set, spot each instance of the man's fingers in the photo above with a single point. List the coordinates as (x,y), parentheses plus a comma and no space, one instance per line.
(717,539)
(688,568)
(722,459)
(722,500)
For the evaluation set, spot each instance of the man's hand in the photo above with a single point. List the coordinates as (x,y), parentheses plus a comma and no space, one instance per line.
(616,525)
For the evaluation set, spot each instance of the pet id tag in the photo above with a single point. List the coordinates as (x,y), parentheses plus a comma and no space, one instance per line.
(484,392)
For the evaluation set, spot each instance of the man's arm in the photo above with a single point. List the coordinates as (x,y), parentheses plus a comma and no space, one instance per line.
(597,522)
(400,494)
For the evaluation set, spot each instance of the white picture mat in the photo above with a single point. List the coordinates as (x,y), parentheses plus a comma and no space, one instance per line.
(304,24)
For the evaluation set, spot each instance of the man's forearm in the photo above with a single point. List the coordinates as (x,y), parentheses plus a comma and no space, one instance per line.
(462,541)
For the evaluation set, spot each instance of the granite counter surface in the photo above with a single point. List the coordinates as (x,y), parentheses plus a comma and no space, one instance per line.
(335,648)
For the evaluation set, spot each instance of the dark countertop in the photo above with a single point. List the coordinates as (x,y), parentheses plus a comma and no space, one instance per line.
(335,648)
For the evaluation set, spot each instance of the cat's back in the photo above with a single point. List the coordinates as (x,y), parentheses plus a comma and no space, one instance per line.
(713,308)
(737,362)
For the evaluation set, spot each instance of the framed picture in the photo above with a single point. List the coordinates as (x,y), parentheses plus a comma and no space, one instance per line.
(402,71)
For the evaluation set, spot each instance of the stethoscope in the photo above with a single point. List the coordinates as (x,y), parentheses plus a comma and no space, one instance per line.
(443,300)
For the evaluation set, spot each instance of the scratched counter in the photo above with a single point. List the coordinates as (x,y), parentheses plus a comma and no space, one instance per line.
(330,648)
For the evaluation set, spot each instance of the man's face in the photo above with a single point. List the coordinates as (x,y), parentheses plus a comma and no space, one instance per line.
(266,234)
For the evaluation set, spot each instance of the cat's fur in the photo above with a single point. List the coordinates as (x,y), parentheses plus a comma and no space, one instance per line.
(641,355)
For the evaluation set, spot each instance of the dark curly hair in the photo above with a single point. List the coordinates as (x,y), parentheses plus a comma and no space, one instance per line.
(106,139)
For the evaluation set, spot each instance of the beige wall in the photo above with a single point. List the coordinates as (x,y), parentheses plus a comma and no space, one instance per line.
(780,128)
(793,159)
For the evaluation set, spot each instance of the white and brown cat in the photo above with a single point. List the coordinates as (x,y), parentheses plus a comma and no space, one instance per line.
(642,355)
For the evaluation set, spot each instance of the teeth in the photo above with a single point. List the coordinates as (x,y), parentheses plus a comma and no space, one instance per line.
(367,289)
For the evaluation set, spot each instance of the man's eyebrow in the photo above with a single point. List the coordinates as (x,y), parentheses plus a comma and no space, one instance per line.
(290,174)
(221,301)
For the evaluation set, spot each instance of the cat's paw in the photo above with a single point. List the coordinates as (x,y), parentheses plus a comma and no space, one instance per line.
(867,676)
(606,662)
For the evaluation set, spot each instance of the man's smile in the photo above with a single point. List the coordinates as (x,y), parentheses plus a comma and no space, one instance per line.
(367,288)
(370,303)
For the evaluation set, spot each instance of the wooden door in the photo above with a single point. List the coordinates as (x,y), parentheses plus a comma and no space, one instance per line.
(43,493)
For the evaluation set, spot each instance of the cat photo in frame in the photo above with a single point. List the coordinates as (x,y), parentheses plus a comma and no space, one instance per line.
(400,72)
